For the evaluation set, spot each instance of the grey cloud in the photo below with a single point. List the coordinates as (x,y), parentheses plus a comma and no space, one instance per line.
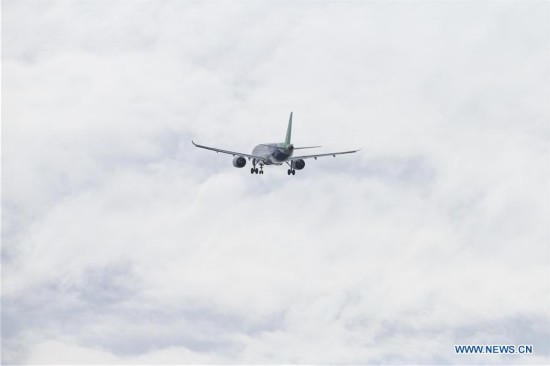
(122,243)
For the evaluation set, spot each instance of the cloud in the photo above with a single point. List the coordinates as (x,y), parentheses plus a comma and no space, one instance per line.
(122,243)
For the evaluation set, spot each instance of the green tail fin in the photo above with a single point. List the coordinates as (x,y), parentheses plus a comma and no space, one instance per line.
(289,130)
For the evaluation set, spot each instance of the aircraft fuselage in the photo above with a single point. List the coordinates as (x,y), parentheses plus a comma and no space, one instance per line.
(274,154)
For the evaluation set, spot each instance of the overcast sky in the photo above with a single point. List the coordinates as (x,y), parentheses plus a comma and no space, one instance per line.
(122,243)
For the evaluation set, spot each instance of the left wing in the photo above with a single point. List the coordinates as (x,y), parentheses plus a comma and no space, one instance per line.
(321,155)
(227,151)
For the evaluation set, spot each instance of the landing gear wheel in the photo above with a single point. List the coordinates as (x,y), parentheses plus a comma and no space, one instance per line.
(293,172)
(261,172)
(251,170)
(288,172)
(256,171)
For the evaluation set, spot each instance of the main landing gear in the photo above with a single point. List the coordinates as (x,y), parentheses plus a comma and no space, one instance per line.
(255,170)
(291,170)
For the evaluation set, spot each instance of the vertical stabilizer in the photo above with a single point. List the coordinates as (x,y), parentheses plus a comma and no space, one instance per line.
(289,130)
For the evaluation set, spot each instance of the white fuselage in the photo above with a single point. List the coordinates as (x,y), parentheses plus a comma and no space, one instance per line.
(274,154)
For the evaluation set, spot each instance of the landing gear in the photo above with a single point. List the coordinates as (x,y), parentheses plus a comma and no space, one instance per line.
(291,170)
(255,170)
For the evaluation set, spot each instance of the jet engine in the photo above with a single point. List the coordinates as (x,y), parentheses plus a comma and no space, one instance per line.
(298,164)
(239,161)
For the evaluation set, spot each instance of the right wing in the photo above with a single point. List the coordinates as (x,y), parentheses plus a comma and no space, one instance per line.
(228,152)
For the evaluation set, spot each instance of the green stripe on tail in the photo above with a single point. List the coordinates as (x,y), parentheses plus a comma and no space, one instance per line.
(289,130)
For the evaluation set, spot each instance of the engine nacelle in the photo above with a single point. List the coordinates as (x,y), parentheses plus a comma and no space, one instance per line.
(298,164)
(239,161)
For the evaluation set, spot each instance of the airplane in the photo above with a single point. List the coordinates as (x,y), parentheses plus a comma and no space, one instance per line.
(274,154)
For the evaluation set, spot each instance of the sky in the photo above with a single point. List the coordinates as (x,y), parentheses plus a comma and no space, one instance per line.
(122,243)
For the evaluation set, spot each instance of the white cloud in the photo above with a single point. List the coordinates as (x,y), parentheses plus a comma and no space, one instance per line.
(122,243)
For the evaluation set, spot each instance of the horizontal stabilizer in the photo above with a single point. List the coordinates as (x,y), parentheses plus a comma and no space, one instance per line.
(306,147)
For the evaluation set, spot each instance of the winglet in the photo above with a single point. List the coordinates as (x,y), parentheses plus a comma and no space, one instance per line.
(289,130)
